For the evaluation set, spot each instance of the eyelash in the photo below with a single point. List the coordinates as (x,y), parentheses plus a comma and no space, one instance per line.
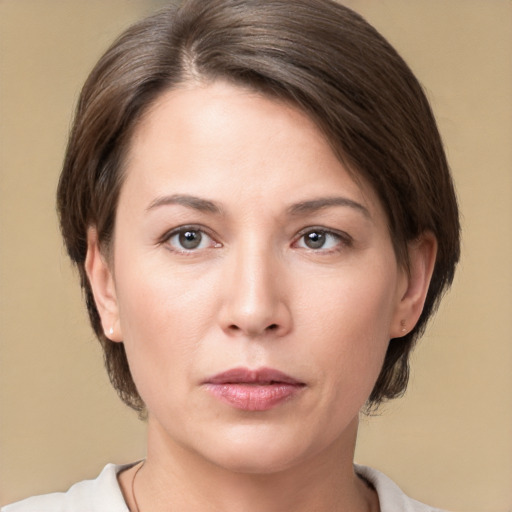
(182,230)
(342,239)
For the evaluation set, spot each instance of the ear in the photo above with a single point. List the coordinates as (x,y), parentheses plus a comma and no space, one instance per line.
(103,287)
(422,256)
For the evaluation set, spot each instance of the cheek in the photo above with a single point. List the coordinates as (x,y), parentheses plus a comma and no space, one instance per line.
(350,330)
(156,299)
(163,320)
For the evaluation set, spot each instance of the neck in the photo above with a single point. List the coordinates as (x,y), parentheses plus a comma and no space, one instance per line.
(175,478)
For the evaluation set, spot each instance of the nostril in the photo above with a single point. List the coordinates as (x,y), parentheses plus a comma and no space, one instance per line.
(272,327)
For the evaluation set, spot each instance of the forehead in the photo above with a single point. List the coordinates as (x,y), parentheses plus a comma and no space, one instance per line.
(201,113)
(203,138)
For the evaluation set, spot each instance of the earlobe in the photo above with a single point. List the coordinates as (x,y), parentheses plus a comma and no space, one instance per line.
(103,287)
(422,257)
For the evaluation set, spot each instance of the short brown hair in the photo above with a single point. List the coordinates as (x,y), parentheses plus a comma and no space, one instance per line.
(317,54)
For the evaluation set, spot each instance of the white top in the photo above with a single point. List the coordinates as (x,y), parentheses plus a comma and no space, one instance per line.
(104,495)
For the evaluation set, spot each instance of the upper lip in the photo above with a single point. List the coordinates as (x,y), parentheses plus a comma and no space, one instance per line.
(258,376)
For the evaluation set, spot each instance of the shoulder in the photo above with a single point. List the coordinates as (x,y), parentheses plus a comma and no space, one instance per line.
(98,495)
(391,497)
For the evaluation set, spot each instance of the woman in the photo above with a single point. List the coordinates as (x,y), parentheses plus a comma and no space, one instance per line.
(257,199)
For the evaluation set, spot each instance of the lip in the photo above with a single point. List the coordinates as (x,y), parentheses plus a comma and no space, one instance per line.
(253,390)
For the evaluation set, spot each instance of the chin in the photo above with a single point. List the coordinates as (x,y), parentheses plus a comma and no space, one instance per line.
(258,462)
(261,454)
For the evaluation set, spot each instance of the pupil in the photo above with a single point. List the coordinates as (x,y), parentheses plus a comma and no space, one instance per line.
(315,240)
(190,239)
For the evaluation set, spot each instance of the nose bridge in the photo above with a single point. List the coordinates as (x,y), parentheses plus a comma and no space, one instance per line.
(255,301)
(255,268)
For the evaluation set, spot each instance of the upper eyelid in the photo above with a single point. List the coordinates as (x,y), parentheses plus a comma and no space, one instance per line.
(330,231)
(192,227)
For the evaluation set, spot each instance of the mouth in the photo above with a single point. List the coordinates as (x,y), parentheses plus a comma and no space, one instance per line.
(253,390)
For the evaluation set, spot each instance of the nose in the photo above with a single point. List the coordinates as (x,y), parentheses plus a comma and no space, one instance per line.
(255,294)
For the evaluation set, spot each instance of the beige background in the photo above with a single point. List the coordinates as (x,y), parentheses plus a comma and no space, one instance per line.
(448,442)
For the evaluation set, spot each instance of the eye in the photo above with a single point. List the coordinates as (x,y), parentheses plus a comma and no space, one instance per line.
(320,239)
(189,238)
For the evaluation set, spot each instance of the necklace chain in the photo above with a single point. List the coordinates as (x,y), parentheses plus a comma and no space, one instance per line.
(133,487)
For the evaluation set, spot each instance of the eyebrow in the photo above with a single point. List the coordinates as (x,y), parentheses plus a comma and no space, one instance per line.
(314,205)
(304,207)
(196,203)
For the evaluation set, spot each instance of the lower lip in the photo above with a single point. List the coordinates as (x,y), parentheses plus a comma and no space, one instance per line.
(254,397)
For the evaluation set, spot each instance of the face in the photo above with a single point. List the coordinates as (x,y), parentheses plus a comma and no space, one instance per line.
(252,280)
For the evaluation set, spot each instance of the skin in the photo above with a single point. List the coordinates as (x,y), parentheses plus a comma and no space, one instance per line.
(252,294)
